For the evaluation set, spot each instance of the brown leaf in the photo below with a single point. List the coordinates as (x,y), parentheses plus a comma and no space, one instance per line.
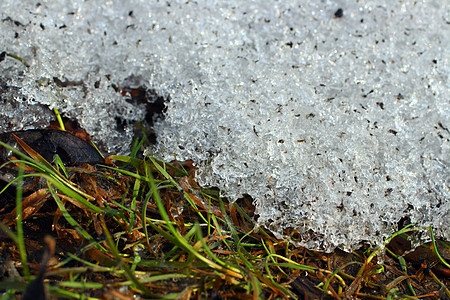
(30,206)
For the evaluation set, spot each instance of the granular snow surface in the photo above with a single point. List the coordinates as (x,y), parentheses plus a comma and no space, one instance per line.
(336,125)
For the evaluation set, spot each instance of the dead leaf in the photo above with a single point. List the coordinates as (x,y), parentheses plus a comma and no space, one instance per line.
(30,206)
(48,142)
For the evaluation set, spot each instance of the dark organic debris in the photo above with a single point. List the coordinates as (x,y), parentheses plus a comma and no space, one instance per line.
(339,13)
(155,107)
(49,142)
(35,289)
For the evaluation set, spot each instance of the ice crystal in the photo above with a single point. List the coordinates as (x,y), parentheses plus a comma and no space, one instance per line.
(336,124)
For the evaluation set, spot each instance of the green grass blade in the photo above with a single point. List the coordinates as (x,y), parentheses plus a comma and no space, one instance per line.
(60,165)
(165,174)
(178,239)
(59,119)
(19,225)
(19,59)
(68,217)
(81,285)
(436,250)
(136,188)
(129,273)
(61,294)
(69,192)
(128,173)
(136,147)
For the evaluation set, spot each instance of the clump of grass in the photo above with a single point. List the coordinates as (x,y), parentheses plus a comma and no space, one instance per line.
(144,227)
